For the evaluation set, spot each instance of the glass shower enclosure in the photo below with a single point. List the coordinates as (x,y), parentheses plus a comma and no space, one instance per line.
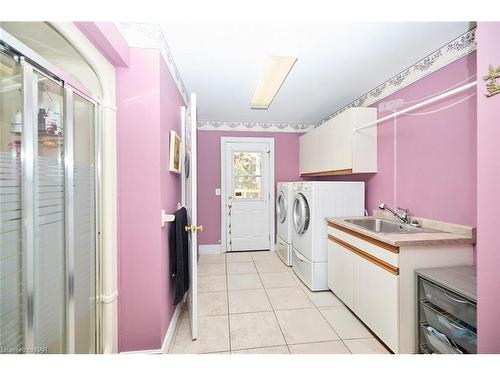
(49,259)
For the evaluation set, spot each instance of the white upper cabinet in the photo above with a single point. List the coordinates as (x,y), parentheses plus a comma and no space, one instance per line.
(336,148)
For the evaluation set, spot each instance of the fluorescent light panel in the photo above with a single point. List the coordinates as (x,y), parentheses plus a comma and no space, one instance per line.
(275,72)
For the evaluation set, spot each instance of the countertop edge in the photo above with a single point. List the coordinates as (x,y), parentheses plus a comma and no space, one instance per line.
(452,238)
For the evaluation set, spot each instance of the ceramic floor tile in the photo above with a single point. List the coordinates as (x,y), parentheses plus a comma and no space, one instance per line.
(345,323)
(264,255)
(212,258)
(184,314)
(244,281)
(255,330)
(211,283)
(213,336)
(288,298)
(212,303)
(325,347)
(245,301)
(238,257)
(365,346)
(305,325)
(211,269)
(322,299)
(240,267)
(277,280)
(268,350)
(264,266)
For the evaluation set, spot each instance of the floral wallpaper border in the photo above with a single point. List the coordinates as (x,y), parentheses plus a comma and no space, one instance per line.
(149,35)
(461,46)
(255,126)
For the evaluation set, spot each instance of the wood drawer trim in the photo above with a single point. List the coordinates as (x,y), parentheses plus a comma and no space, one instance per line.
(386,266)
(366,238)
(328,173)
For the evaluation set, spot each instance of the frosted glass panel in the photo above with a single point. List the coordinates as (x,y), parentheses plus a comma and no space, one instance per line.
(247,183)
(84,219)
(11,260)
(48,268)
(49,320)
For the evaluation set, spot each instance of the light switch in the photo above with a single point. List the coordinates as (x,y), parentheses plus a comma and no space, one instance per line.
(217,191)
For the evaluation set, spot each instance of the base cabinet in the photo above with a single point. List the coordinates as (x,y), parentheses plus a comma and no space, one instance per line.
(377,282)
(376,300)
(341,273)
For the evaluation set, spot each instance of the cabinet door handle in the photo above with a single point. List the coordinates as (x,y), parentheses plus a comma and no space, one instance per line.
(456,299)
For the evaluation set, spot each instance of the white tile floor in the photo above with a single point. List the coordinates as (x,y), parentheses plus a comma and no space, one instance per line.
(251,303)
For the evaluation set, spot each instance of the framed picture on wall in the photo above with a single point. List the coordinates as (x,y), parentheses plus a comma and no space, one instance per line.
(175,153)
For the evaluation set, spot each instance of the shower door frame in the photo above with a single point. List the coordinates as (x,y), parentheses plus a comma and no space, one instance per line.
(32,63)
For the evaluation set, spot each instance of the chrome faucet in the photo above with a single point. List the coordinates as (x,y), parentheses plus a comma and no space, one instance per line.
(403,216)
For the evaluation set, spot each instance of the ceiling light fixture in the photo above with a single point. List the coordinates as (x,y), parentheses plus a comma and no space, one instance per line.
(275,72)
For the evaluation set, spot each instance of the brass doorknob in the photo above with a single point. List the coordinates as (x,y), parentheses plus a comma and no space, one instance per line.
(193,228)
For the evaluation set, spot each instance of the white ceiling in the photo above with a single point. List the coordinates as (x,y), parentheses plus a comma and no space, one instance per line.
(337,62)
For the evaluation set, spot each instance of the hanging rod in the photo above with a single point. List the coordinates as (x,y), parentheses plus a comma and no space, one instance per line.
(419,105)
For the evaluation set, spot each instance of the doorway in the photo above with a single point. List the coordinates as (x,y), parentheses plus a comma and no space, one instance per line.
(247,194)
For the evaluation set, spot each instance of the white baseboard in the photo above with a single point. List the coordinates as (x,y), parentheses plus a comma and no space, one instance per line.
(169,335)
(216,249)
(172,327)
(209,249)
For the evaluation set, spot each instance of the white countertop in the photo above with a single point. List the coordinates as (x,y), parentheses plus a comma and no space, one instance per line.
(449,234)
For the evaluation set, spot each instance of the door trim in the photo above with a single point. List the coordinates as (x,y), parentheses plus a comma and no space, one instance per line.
(224,141)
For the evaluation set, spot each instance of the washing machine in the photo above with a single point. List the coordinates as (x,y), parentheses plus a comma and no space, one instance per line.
(313,202)
(284,205)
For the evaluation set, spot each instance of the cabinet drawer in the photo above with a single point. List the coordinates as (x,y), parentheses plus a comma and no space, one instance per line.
(425,350)
(464,337)
(314,275)
(450,302)
(284,251)
(374,249)
(434,340)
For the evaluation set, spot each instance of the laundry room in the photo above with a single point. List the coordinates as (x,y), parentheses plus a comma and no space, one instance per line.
(185,181)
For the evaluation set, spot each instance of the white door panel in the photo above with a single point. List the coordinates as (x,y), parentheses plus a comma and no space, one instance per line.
(238,223)
(247,186)
(189,197)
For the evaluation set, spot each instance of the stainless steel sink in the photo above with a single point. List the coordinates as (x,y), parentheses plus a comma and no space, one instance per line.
(385,226)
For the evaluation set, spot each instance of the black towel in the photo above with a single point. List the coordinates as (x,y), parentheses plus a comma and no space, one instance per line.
(179,256)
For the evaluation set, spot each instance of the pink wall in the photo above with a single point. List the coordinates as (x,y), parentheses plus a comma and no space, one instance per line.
(435,166)
(148,108)
(286,168)
(488,193)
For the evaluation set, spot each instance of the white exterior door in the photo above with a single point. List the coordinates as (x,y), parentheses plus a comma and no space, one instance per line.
(248,191)
(189,201)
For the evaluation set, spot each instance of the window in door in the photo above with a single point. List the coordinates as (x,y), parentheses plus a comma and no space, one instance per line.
(247,175)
